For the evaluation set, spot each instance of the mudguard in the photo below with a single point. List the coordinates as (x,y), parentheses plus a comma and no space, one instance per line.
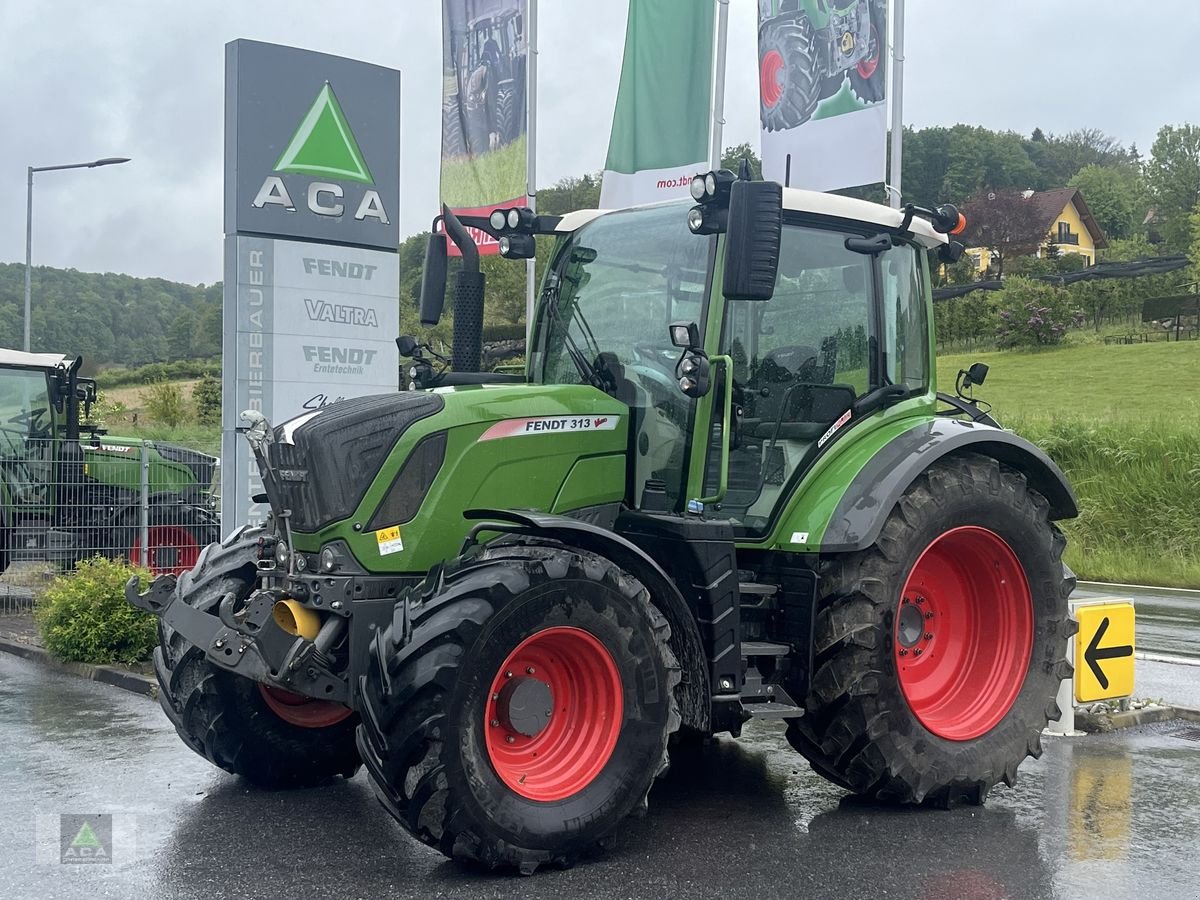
(685,642)
(869,498)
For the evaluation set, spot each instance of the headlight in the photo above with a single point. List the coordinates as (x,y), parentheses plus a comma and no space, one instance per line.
(710,184)
(496,219)
(695,219)
(698,188)
(328,560)
(281,554)
(514,218)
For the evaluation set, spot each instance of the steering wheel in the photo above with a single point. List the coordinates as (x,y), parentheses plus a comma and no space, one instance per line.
(30,419)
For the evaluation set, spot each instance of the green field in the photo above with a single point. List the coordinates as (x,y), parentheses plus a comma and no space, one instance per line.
(492,177)
(1124,423)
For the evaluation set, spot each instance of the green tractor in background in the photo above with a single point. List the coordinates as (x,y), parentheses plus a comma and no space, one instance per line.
(723,490)
(808,48)
(68,490)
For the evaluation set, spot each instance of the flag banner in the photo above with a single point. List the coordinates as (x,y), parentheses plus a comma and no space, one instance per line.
(822,97)
(660,129)
(484,123)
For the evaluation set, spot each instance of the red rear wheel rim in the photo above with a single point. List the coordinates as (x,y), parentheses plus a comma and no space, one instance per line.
(768,75)
(173,550)
(963,634)
(553,714)
(306,712)
(867,67)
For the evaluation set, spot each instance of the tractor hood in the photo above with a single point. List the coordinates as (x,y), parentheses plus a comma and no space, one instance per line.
(352,458)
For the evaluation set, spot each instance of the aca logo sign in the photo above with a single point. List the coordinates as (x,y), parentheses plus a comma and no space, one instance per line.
(323,145)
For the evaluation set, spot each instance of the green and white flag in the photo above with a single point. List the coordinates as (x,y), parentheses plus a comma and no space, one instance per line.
(660,128)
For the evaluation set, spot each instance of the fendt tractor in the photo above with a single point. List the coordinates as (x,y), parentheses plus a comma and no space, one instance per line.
(722,490)
(807,49)
(69,490)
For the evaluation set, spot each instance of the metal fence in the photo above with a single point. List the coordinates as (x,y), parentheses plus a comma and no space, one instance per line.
(153,503)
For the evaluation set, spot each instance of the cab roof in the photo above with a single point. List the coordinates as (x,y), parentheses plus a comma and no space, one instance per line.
(811,202)
(31,360)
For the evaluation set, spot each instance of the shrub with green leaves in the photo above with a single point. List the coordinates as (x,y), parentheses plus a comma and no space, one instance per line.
(83,615)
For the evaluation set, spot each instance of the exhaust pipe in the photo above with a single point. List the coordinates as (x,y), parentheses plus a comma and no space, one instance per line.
(467,345)
(296,619)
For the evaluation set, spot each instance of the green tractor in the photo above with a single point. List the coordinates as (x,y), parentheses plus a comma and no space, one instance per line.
(808,48)
(68,490)
(723,490)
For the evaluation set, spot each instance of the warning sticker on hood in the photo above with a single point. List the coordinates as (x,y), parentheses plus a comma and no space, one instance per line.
(549,425)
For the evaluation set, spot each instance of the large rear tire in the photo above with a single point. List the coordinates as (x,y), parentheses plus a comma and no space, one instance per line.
(868,79)
(787,69)
(518,707)
(939,649)
(272,738)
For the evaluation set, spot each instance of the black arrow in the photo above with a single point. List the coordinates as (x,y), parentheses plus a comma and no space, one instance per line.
(1093,654)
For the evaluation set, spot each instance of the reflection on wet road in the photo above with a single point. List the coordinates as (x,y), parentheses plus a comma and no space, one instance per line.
(1109,816)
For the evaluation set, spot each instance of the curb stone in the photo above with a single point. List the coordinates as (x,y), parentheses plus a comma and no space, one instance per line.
(111,675)
(1098,723)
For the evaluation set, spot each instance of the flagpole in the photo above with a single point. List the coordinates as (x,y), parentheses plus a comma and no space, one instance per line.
(718,106)
(531,160)
(894,192)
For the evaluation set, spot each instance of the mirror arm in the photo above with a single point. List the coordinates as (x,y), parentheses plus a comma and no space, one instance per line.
(726,364)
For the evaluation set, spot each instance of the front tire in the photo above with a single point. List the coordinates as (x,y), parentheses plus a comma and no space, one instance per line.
(939,650)
(272,738)
(519,706)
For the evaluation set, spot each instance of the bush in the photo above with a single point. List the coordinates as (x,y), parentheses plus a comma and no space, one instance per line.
(206,396)
(1033,314)
(165,404)
(83,615)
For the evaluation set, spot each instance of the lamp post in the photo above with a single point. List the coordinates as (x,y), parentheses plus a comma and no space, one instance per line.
(106,161)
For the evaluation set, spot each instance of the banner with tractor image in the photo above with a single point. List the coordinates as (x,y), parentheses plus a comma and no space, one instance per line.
(484,127)
(822,98)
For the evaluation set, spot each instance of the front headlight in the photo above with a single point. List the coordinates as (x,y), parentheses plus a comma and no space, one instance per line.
(281,554)
(328,560)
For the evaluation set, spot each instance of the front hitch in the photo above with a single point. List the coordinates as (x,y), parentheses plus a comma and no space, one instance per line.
(248,641)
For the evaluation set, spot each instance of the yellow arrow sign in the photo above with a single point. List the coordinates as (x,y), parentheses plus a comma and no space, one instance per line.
(1104,651)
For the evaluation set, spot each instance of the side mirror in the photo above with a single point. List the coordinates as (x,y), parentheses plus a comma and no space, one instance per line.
(407,345)
(433,280)
(752,240)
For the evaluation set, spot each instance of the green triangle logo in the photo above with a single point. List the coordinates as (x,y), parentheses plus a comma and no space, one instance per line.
(324,145)
(86,837)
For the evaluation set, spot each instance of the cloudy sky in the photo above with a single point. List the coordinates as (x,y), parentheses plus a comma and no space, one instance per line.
(143,78)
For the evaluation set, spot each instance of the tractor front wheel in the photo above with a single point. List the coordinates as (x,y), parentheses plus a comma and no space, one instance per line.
(269,736)
(519,706)
(939,650)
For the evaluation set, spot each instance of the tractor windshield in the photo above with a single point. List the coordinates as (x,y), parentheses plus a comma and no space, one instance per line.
(615,286)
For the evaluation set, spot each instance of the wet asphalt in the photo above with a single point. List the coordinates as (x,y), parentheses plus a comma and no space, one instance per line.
(1168,622)
(1102,816)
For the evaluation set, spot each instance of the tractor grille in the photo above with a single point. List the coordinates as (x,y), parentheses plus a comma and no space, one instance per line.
(334,456)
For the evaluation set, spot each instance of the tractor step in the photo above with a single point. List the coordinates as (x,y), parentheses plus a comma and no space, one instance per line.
(773,711)
(764,648)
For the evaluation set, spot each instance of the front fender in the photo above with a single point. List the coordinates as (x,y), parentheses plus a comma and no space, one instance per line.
(685,641)
(871,494)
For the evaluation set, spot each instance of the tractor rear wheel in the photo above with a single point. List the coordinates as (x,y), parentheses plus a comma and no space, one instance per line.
(787,71)
(939,650)
(518,707)
(271,737)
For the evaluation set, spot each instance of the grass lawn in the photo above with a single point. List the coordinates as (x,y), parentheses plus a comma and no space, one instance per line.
(1124,424)
(491,178)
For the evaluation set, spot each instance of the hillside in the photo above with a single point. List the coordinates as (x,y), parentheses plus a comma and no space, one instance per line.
(110,318)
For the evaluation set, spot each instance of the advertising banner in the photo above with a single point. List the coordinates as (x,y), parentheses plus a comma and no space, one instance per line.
(822,96)
(660,128)
(312,202)
(484,122)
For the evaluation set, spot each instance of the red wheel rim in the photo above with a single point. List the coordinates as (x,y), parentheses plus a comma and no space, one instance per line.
(565,678)
(768,77)
(963,634)
(173,550)
(306,712)
(867,67)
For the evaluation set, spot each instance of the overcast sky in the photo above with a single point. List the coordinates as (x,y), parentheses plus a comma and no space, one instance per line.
(145,79)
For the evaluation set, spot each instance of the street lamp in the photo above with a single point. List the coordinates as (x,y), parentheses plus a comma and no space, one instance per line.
(106,161)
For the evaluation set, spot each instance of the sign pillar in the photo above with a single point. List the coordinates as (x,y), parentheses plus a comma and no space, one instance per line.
(312,205)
